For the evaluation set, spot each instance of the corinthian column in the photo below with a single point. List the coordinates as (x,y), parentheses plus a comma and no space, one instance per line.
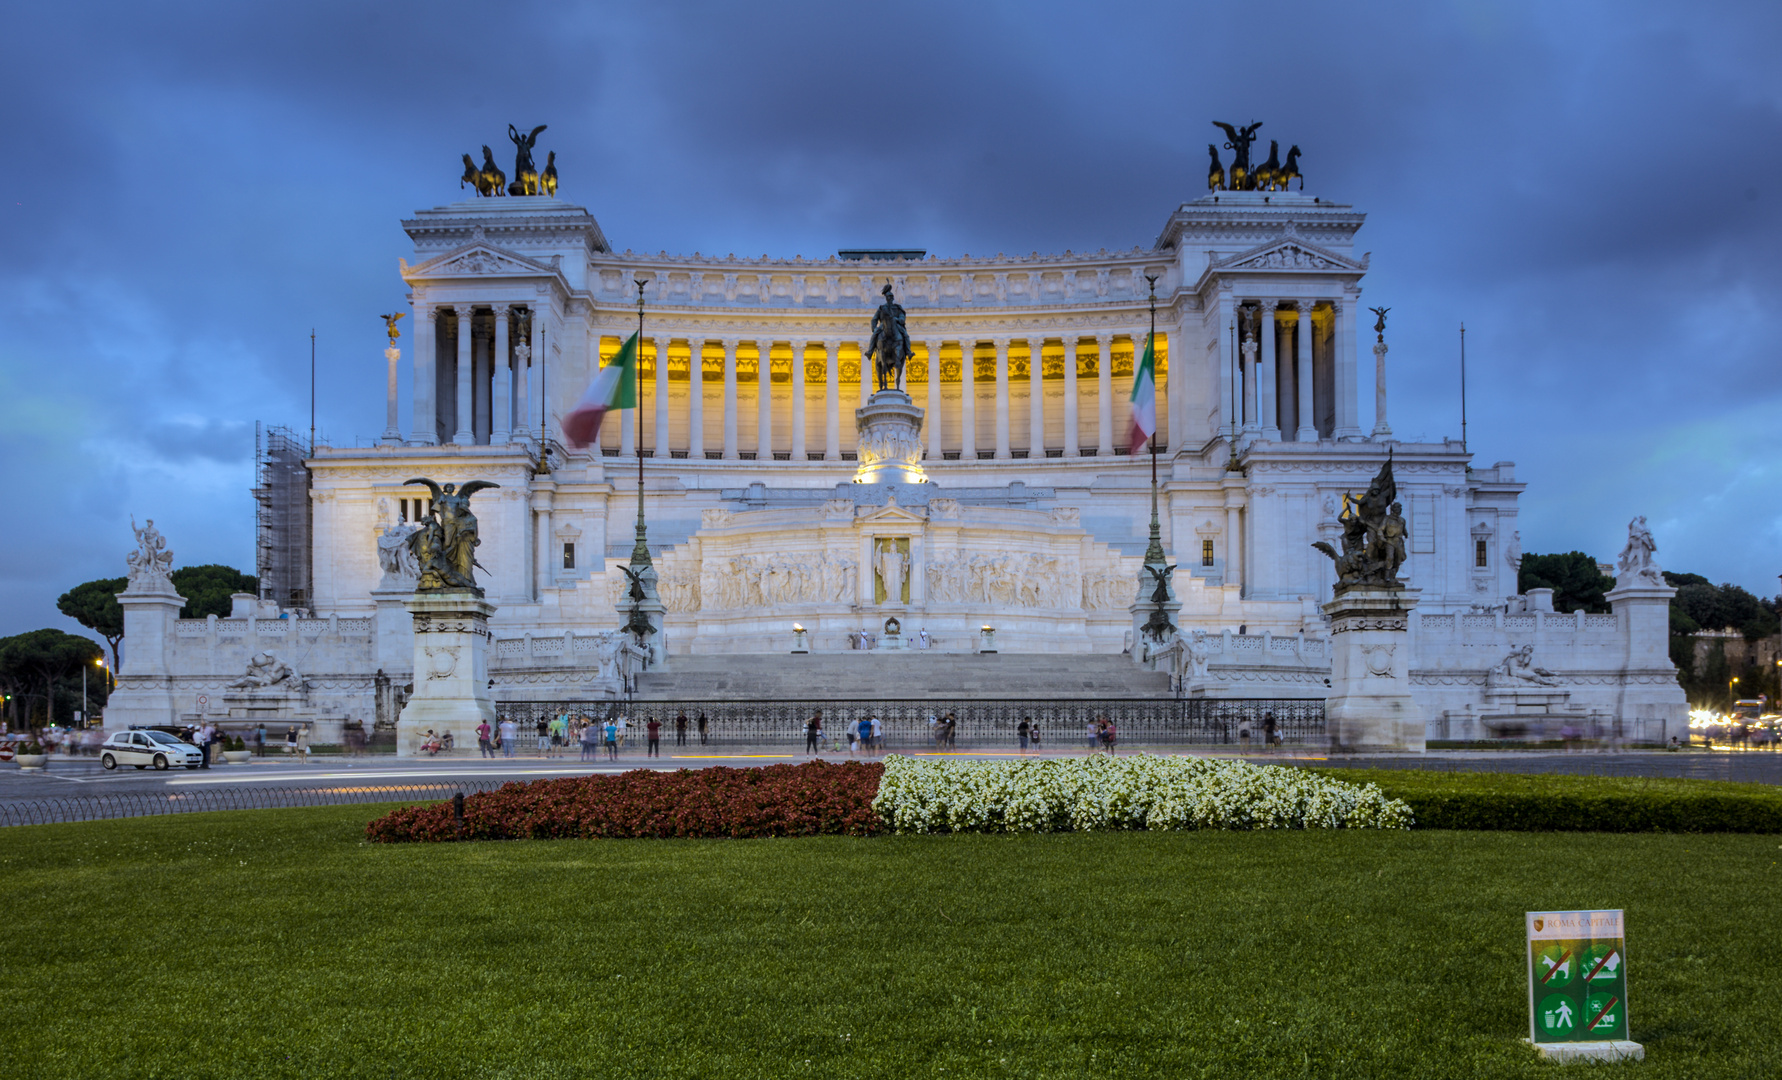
(1271,422)
(798,350)
(1002,399)
(1348,406)
(764,401)
(1382,429)
(502,408)
(425,431)
(1070,395)
(661,449)
(1308,425)
(968,400)
(1036,399)
(465,435)
(1104,395)
(730,451)
(831,401)
(696,398)
(934,401)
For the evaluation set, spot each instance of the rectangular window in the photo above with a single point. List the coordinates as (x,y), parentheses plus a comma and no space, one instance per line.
(1480,558)
(569,556)
(402,509)
(1206,553)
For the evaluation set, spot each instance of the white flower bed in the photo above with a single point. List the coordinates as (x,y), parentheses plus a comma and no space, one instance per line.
(1139,791)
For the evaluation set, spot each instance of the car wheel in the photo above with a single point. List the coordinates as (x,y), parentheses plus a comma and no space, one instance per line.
(109,762)
(160,762)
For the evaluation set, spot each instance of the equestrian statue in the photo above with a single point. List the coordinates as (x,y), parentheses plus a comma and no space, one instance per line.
(890,347)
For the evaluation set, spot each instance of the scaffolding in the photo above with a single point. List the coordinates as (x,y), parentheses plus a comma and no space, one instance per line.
(282,557)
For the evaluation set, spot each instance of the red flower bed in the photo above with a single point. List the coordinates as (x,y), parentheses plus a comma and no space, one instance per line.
(812,799)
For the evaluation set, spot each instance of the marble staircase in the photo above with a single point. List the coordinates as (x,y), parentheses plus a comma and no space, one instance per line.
(900,674)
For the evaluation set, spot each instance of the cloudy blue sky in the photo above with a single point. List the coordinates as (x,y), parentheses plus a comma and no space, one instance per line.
(1592,187)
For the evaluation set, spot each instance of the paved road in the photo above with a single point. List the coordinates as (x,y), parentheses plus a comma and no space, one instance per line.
(83,776)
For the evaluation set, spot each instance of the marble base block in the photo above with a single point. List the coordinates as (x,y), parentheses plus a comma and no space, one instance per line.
(1370,706)
(451,670)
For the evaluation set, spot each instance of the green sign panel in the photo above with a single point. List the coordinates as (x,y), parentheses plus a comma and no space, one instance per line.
(1577,977)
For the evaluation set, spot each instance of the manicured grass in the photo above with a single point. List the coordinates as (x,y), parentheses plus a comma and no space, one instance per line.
(281,944)
(1546,803)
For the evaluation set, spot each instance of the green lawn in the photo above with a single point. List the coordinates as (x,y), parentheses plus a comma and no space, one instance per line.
(276,943)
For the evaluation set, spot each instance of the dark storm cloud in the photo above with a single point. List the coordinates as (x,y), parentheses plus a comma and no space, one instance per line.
(1591,187)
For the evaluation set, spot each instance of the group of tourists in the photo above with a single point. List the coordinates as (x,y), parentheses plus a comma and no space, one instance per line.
(553,736)
(1102,734)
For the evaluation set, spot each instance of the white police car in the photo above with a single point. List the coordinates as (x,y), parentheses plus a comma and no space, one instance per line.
(145,748)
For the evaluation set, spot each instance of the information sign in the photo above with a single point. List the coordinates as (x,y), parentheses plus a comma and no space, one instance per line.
(1577,977)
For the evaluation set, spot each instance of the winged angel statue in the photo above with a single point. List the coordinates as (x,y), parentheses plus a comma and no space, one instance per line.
(445,543)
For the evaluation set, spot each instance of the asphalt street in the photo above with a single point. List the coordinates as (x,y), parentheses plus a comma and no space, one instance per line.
(66,777)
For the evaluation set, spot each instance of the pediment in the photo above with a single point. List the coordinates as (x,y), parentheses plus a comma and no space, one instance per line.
(890,515)
(477,259)
(1289,253)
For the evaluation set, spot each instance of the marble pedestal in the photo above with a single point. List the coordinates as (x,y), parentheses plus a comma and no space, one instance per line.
(1370,706)
(451,670)
(890,440)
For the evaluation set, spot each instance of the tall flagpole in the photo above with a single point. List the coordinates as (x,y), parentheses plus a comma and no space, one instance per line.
(1154,553)
(1463,386)
(640,552)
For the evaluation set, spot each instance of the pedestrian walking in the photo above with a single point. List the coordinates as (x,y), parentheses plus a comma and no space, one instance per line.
(483,749)
(1092,732)
(813,733)
(590,741)
(1269,739)
(654,730)
(853,737)
(624,728)
(1021,730)
(559,733)
(680,729)
(509,734)
(702,727)
(611,731)
(542,732)
(1033,732)
(260,740)
(876,731)
(1110,735)
(206,736)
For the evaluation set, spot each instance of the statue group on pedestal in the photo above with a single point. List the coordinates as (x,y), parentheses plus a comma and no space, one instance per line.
(1374,534)
(489,181)
(444,542)
(1271,175)
(152,561)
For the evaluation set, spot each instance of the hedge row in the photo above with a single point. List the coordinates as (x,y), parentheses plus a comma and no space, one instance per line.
(1548,803)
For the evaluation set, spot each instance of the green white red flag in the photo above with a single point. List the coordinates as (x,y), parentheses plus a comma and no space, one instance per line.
(1144,398)
(614,387)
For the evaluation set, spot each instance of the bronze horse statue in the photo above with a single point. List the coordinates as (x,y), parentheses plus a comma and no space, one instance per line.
(472,176)
(1215,170)
(1268,174)
(493,181)
(547,180)
(1290,171)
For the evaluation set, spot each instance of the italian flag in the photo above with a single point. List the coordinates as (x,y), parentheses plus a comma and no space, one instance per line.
(614,387)
(1144,398)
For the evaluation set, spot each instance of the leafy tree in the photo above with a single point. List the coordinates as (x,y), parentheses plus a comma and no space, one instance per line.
(42,658)
(95,606)
(207,588)
(1573,577)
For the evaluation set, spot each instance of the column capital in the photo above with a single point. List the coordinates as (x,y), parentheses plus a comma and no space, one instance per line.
(1001,343)
(1304,307)
(1104,340)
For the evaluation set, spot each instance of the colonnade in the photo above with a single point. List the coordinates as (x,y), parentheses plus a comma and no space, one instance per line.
(1295,386)
(943,376)
(485,395)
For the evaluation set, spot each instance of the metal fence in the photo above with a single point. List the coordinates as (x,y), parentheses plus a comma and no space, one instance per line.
(148,804)
(982,724)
